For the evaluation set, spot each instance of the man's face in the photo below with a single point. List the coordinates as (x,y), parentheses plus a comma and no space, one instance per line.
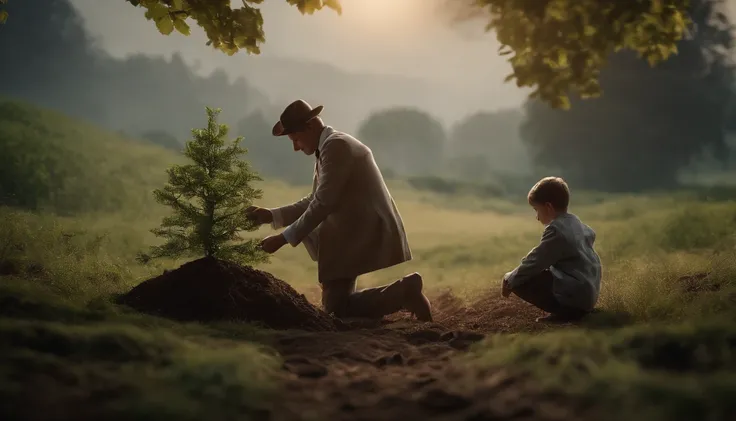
(303,141)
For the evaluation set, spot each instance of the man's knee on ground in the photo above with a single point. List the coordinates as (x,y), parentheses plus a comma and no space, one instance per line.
(336,304)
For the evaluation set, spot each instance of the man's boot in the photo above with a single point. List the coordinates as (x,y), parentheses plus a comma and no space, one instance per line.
(414,300)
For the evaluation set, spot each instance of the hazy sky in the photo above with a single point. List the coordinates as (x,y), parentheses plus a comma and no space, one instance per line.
(378,36)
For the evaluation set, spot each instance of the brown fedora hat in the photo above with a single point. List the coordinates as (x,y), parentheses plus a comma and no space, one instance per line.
(295,117)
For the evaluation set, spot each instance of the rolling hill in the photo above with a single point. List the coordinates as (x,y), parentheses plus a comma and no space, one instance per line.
(54,162)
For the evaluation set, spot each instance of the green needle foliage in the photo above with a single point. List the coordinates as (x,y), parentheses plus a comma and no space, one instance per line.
(209,198)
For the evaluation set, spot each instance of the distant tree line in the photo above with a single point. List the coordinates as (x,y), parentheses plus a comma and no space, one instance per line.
(649,124)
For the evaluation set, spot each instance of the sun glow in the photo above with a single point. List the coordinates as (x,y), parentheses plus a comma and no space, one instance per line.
(385,16)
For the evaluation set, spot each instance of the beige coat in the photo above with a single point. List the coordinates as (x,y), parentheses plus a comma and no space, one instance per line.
(349,223)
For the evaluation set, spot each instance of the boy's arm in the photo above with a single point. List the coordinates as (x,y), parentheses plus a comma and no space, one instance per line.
(550,249)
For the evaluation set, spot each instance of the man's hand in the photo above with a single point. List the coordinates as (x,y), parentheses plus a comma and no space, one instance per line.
(259,215)
(273,243)
(505,288)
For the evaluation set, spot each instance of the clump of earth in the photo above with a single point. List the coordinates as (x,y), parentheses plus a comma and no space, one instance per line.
(212,290)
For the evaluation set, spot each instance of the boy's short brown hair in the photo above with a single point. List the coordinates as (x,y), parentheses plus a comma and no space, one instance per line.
(552,190)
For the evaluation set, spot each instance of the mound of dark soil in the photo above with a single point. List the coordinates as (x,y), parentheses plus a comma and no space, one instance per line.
(210,290)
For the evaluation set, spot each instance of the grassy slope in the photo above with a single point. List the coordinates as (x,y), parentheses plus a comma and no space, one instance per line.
(56,163)
(59,270)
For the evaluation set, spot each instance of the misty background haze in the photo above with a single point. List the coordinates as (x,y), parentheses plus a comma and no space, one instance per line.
(426,95)
(414,59)
(448,71)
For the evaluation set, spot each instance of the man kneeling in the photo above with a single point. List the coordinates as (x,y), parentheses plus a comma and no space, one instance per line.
(562,275)
(349,223)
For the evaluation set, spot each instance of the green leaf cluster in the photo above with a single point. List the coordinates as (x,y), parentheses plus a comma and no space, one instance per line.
(229,29)
(209,198)
(653,121)
(3,12)
(558,47)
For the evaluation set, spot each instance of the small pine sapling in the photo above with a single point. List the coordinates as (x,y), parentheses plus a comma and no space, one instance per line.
(209,198)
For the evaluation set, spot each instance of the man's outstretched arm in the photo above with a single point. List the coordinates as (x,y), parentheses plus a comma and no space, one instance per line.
(286,215)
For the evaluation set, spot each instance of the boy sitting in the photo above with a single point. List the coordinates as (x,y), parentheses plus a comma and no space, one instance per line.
(562,275)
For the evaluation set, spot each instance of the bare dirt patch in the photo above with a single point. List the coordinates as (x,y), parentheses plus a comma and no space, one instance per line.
(401,369)
(491,313)
(393,368)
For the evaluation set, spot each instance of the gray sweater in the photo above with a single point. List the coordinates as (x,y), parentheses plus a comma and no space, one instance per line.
(566,249)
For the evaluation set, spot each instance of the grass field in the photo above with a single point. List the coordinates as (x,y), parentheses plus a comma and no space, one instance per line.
(61,335)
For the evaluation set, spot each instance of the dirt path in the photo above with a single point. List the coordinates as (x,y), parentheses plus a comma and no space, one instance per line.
(402,370)
(395,369)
